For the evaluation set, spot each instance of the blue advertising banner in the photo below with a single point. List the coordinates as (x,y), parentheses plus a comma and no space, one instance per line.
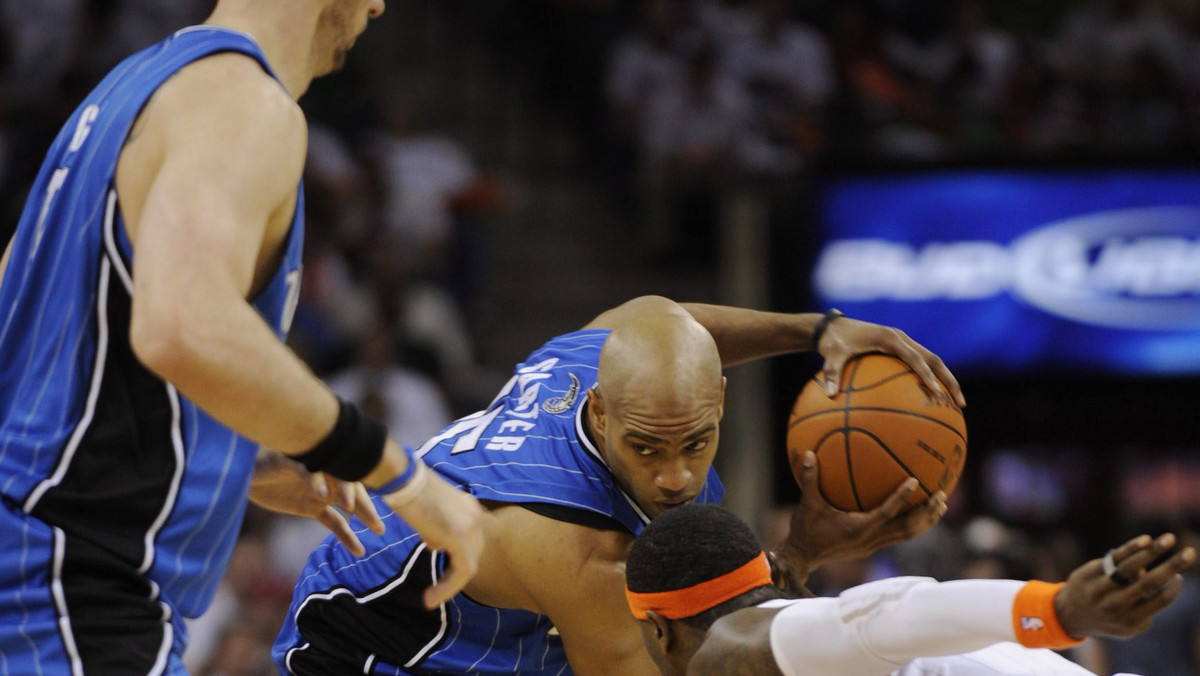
(1004,270)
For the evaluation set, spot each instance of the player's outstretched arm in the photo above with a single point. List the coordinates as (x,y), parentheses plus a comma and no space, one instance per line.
(744,335)
(821,533)
(877,627)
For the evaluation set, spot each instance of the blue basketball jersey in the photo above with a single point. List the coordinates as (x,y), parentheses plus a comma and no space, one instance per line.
(529,447)
(90,441)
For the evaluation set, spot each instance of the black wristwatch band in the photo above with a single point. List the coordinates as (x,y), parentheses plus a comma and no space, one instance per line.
(819,329)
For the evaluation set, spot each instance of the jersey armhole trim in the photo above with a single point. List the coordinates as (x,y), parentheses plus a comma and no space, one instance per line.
(578,517)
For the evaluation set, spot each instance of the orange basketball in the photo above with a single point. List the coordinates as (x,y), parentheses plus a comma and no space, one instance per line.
(881,428)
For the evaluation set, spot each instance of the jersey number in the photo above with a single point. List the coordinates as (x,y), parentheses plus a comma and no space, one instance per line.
(56,183)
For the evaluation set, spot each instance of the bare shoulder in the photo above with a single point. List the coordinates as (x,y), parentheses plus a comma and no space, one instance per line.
(229,97)
(635,309)
(561,540)
(575,575)
(532,561)
(738,644)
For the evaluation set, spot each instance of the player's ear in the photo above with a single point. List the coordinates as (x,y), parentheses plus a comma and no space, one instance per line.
(596,412)
(784,576)
(662,629)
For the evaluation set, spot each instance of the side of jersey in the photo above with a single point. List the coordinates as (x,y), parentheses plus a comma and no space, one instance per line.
(90,441)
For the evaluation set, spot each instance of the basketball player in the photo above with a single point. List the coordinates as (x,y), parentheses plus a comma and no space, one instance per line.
(142,303)
(702,590)
(597,432)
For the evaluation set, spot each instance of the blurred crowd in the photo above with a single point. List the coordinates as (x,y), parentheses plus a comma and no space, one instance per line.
(679,97)
(769,86)
(673,101)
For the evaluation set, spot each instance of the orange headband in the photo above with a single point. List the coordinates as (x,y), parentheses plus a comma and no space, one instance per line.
(696,599)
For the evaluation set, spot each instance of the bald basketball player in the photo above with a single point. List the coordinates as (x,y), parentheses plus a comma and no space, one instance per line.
(598,432)
(702,590)
(143,300)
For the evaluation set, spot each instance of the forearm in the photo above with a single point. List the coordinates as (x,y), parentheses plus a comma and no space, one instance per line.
(744,335)
(226,359)
(231,364)
(878,627)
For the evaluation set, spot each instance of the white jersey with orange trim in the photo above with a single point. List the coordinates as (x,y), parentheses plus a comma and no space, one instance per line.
(908,626)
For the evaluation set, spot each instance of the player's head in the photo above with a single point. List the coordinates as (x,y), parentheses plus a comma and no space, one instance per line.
(340,24)
(656,407)
(688,568)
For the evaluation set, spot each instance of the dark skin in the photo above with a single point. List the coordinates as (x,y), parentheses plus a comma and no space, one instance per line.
(1093,605)
(821,533)
(1090,604)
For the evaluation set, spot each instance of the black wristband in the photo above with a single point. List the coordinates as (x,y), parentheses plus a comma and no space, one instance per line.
(351,449)
(819,329)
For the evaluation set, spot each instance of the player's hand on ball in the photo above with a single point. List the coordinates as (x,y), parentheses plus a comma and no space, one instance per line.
(282,485)
(1124,603)
(821,533)
(450,520)
(845,338)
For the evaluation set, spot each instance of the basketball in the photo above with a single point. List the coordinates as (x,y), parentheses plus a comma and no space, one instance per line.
(882,427)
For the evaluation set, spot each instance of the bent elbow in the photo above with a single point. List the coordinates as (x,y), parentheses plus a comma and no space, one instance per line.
(159,341)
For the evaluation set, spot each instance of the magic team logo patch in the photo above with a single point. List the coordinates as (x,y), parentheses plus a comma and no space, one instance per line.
(565,402)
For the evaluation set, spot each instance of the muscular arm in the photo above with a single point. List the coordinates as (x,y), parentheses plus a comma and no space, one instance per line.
(574,575)
(741,335)
(231,147)
(744,335)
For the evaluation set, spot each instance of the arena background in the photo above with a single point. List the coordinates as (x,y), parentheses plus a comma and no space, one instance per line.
(485,174)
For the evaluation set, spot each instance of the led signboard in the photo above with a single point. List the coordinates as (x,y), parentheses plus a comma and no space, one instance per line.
(1006,270)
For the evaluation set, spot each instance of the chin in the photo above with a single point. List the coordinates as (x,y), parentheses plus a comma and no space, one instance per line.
(337,61)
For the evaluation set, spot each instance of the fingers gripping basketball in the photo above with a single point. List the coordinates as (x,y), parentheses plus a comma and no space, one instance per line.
(881,428)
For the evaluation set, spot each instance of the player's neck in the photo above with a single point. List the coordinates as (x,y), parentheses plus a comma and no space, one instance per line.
(286,39)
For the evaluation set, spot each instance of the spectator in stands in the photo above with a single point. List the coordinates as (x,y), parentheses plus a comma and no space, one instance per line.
(409,402)
(692,128)
(787,69)
(641,63)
